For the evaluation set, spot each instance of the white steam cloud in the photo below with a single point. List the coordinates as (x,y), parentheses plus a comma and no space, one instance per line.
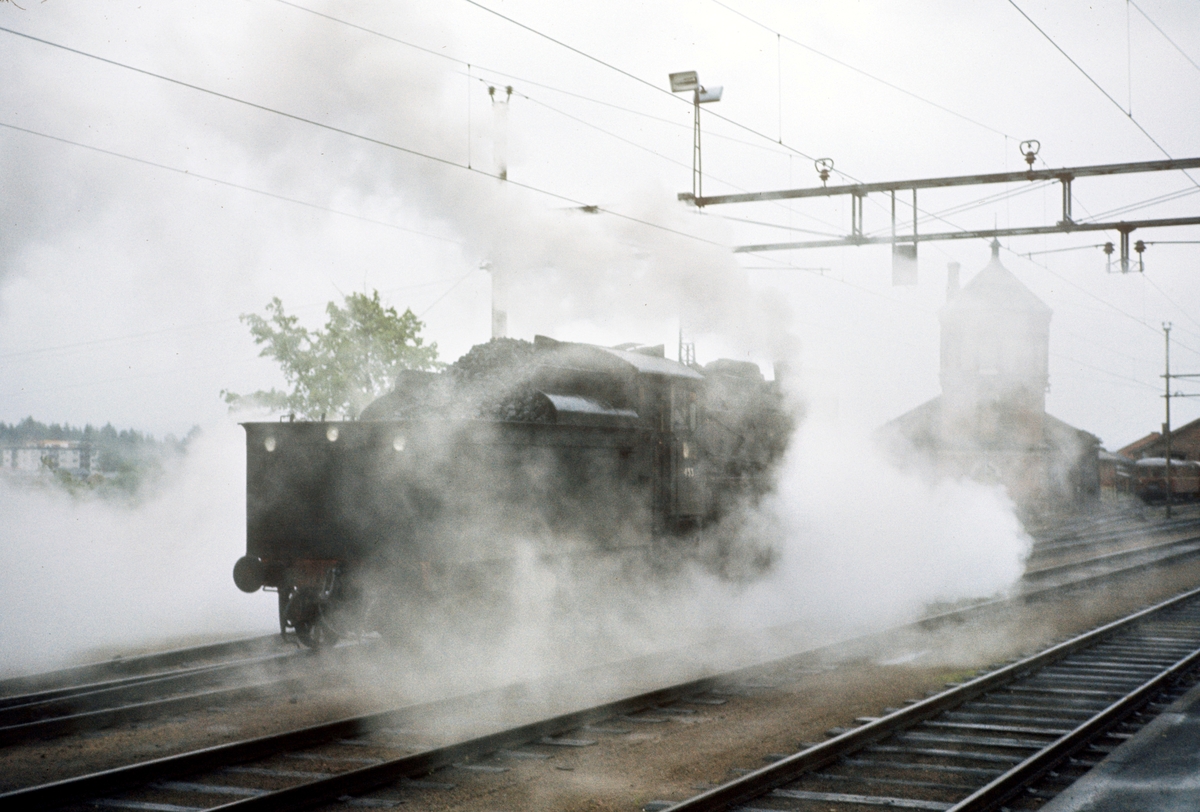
(859,546)
(84,578)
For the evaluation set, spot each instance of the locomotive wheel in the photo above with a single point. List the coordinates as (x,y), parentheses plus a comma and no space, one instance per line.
(302,612)
(316,634)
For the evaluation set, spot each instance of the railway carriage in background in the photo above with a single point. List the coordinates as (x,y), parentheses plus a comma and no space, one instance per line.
(571,451)
(1149,480)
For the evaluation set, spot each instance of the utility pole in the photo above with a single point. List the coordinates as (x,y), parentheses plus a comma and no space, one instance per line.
(1167,395)
(1167,425)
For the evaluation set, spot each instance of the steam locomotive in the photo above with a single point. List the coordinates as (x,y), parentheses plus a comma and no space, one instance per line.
(568,450)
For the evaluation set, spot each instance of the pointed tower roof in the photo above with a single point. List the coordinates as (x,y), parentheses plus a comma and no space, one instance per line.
(995,288)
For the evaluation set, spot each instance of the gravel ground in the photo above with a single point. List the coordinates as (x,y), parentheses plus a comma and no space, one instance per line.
(780,708)
(771,710)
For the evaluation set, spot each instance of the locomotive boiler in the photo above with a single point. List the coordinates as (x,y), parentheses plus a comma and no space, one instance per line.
(569,450)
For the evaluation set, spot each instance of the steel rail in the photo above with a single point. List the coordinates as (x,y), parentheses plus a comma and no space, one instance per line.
(313,793)
(117,779)
(140,711)
(1051,546)
(784,771)
(139,664)
(1015,780)
(1117,555)
(132,686)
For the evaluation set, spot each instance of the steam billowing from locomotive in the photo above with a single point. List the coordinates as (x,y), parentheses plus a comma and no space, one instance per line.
(579,452)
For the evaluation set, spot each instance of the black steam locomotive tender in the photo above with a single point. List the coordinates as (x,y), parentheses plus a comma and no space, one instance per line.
(565,449)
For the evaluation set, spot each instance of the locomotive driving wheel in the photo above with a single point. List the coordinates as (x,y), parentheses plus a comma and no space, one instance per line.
(304,612)
(316,633)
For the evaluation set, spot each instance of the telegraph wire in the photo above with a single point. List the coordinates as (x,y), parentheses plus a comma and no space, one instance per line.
(1128,113)
(96,342)
(1091,295)
(361,137)
(1164,34)
(848,66)
(642,81)
(928,216)
(1187,315)
(524,80)
(449,290)
(230,184)
(657,154)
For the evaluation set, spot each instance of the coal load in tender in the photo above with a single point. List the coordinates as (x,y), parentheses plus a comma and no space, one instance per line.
(490,382)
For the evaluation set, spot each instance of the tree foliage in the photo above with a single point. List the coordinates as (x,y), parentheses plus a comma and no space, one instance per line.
(338,370)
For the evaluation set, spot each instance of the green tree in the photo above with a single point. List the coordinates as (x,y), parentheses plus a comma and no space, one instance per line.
(342,368)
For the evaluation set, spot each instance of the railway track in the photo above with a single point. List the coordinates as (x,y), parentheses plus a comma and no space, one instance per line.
(340,749)
(1122,531)
(136,689)
(153,686)
(352,758)
(1044,719)
(1015,736)
(138,666)
(307,767)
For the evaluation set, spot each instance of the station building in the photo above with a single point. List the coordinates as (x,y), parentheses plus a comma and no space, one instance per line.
(990,422)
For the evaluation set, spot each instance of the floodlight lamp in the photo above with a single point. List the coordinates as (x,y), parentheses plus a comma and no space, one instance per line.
(683,81)
(709,94)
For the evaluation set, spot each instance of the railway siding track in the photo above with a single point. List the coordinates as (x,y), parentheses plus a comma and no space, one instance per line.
(136,667)
(980,744)
(222,772)
(92,706)
(138,689)
(340,744)
(1146,555)
(1031,715)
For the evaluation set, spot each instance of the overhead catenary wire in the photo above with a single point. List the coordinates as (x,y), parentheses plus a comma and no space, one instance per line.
(1109,305)
(1098,86)
(1163,198)
(860,71)
(1186,314)
(1164,35)
(38,353)
(359,136)
(521,79)
(642,147)
(189,173)
(930,216)
(448,291)
(642,81)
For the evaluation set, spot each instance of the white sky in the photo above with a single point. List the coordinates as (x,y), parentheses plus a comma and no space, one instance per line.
(121,283)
